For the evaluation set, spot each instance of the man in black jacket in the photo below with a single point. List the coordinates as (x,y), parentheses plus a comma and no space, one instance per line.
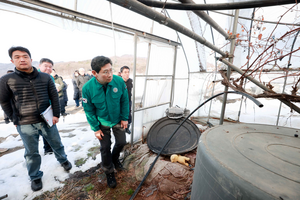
(124,73)
(25,94)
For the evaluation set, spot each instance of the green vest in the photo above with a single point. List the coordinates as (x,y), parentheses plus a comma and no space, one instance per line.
(106,109)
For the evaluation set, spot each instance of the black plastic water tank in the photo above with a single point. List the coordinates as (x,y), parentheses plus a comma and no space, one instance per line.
(247,161)
(184,140)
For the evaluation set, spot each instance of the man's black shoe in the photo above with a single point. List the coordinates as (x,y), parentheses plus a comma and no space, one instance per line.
(48,152)
(111,180)
(36,184)
(118,165)
(64,114)
(6,121)
(67,165)
(127,130)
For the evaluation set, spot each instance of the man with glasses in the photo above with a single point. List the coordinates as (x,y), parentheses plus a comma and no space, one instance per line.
(106,105)
(46,66)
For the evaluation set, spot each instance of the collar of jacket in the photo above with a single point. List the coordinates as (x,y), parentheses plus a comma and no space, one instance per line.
(32,75)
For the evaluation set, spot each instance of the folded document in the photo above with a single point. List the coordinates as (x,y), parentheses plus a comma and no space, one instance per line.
(47,115)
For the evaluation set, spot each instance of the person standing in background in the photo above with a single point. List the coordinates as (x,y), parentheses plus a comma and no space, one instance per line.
(90,74)
(65,92)
(46,66)
(125,72)
(81,80)
(75,88)
(60,90)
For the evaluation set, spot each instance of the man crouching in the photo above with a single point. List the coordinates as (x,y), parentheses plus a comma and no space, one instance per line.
(105,102)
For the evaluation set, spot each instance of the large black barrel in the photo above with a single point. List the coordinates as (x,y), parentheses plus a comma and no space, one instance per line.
(247,161)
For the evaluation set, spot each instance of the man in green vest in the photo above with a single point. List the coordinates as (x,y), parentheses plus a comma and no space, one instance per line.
(106,105)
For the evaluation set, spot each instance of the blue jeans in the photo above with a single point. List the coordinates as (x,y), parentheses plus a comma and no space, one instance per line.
(77,102)
(30,136)
(109,157)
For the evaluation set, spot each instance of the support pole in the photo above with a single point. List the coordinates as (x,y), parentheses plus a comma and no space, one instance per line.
(75,5)
(173,77)
(232,46)
(133,93)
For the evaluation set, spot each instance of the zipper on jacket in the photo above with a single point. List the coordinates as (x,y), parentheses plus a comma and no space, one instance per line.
(35,96)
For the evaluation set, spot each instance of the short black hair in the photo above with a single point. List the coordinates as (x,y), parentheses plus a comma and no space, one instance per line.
(124,67)
(18,48)
(98,62)
(46,60)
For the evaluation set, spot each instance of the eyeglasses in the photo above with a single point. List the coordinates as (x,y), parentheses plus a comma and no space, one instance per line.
(107,72)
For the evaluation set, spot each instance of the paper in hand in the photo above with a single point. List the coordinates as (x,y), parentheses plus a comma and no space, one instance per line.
(47,115)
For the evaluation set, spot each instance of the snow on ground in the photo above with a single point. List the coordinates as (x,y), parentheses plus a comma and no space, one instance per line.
(77,138)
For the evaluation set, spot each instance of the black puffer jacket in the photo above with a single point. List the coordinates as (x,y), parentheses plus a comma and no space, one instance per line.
(30,94)
(129,85)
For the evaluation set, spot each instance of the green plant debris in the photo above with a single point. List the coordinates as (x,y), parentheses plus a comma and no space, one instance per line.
(88,187)
(80,162)
(130,191)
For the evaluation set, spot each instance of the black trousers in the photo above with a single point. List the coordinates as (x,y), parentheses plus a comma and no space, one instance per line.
(62,104)
(108,157)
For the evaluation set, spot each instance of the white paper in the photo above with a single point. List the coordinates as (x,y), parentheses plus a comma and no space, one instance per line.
(47,115)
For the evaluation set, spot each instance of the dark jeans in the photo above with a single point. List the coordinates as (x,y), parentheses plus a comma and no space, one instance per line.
(77,102)
(108,157)
(62,104)
(30,136)
(47,147)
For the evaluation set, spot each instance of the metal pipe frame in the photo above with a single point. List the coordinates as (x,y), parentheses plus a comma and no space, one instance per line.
(232,46)
(137,7)
(207,19)
(157,105)
(218,6)
(133,93)
(153,76)
(144,10)
(173,77)
(81,17)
